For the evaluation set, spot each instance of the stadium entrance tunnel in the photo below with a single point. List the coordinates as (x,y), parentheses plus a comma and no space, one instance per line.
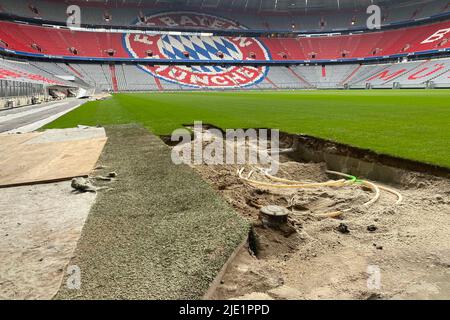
(345,210)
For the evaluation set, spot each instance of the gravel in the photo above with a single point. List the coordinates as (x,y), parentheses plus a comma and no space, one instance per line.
(159,232)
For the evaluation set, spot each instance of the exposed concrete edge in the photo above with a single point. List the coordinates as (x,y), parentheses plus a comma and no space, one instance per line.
(310,148)
(357,161)
(216,282)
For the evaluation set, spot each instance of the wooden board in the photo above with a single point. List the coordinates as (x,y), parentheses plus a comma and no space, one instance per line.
(10,141)
(27,163)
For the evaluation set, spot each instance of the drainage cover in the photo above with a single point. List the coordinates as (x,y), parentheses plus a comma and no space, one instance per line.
(275,211)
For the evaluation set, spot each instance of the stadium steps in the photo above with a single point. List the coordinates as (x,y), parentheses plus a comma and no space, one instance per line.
(302,80)
(364,73)
(158,84)
(112,69)
(406,73)
(75,71)
(439,75)
(351,75)
(272,83)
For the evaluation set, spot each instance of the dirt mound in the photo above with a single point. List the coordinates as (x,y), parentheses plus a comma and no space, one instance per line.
(305,172)
(330,258)
(351,239)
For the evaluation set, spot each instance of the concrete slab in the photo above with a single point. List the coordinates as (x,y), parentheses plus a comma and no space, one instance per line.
(39,228)
(71,134)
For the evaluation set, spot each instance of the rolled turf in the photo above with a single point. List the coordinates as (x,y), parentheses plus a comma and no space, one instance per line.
(161,232)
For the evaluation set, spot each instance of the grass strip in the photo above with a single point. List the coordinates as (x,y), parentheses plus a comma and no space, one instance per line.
(409,124)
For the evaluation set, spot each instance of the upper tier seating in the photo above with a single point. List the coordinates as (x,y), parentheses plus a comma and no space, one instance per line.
(115,13)
(61,42)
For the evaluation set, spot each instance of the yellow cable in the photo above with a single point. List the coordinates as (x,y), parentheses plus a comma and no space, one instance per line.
(337,183)
(374,187)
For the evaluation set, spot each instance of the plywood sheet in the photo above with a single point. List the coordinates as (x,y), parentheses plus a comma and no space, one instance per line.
(10,141)
(23,162)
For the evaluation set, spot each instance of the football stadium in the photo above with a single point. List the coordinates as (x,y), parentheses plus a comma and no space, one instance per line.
(225,150)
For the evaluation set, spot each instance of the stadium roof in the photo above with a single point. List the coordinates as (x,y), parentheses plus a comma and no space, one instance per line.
(260,5)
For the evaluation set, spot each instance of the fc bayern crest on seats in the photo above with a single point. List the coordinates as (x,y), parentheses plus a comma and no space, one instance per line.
(199,48)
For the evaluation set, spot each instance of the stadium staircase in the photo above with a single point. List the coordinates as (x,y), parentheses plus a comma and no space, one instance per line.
(112,68)
(158,84)
(309,85)
(272,83)
(350,76)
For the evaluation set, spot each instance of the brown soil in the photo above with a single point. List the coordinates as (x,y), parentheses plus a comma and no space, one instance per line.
(327,258)
(318,144)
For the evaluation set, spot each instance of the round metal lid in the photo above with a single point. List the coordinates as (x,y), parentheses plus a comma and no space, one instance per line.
(275,211)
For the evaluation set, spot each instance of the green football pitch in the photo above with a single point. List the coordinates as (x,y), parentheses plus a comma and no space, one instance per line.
(411,124)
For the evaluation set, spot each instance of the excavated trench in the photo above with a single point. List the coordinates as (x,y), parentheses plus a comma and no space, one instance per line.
(391,216)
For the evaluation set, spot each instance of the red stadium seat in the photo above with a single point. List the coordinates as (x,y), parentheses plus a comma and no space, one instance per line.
(53,41)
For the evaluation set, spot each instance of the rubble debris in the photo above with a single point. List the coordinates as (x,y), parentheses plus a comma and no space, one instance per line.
(102,178)
(83,185)
(343,228)
(112,174)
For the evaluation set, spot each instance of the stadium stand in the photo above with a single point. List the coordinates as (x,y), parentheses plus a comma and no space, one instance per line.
(407,56)
(285,79)
(270,15)
(25,72)
(38,40)
(133,78)
(414,74)
(130,77)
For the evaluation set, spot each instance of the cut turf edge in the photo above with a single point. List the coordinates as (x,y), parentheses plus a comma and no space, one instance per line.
(407,124)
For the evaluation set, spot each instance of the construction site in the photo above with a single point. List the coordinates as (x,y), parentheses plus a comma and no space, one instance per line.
(110,203)
(209,151)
